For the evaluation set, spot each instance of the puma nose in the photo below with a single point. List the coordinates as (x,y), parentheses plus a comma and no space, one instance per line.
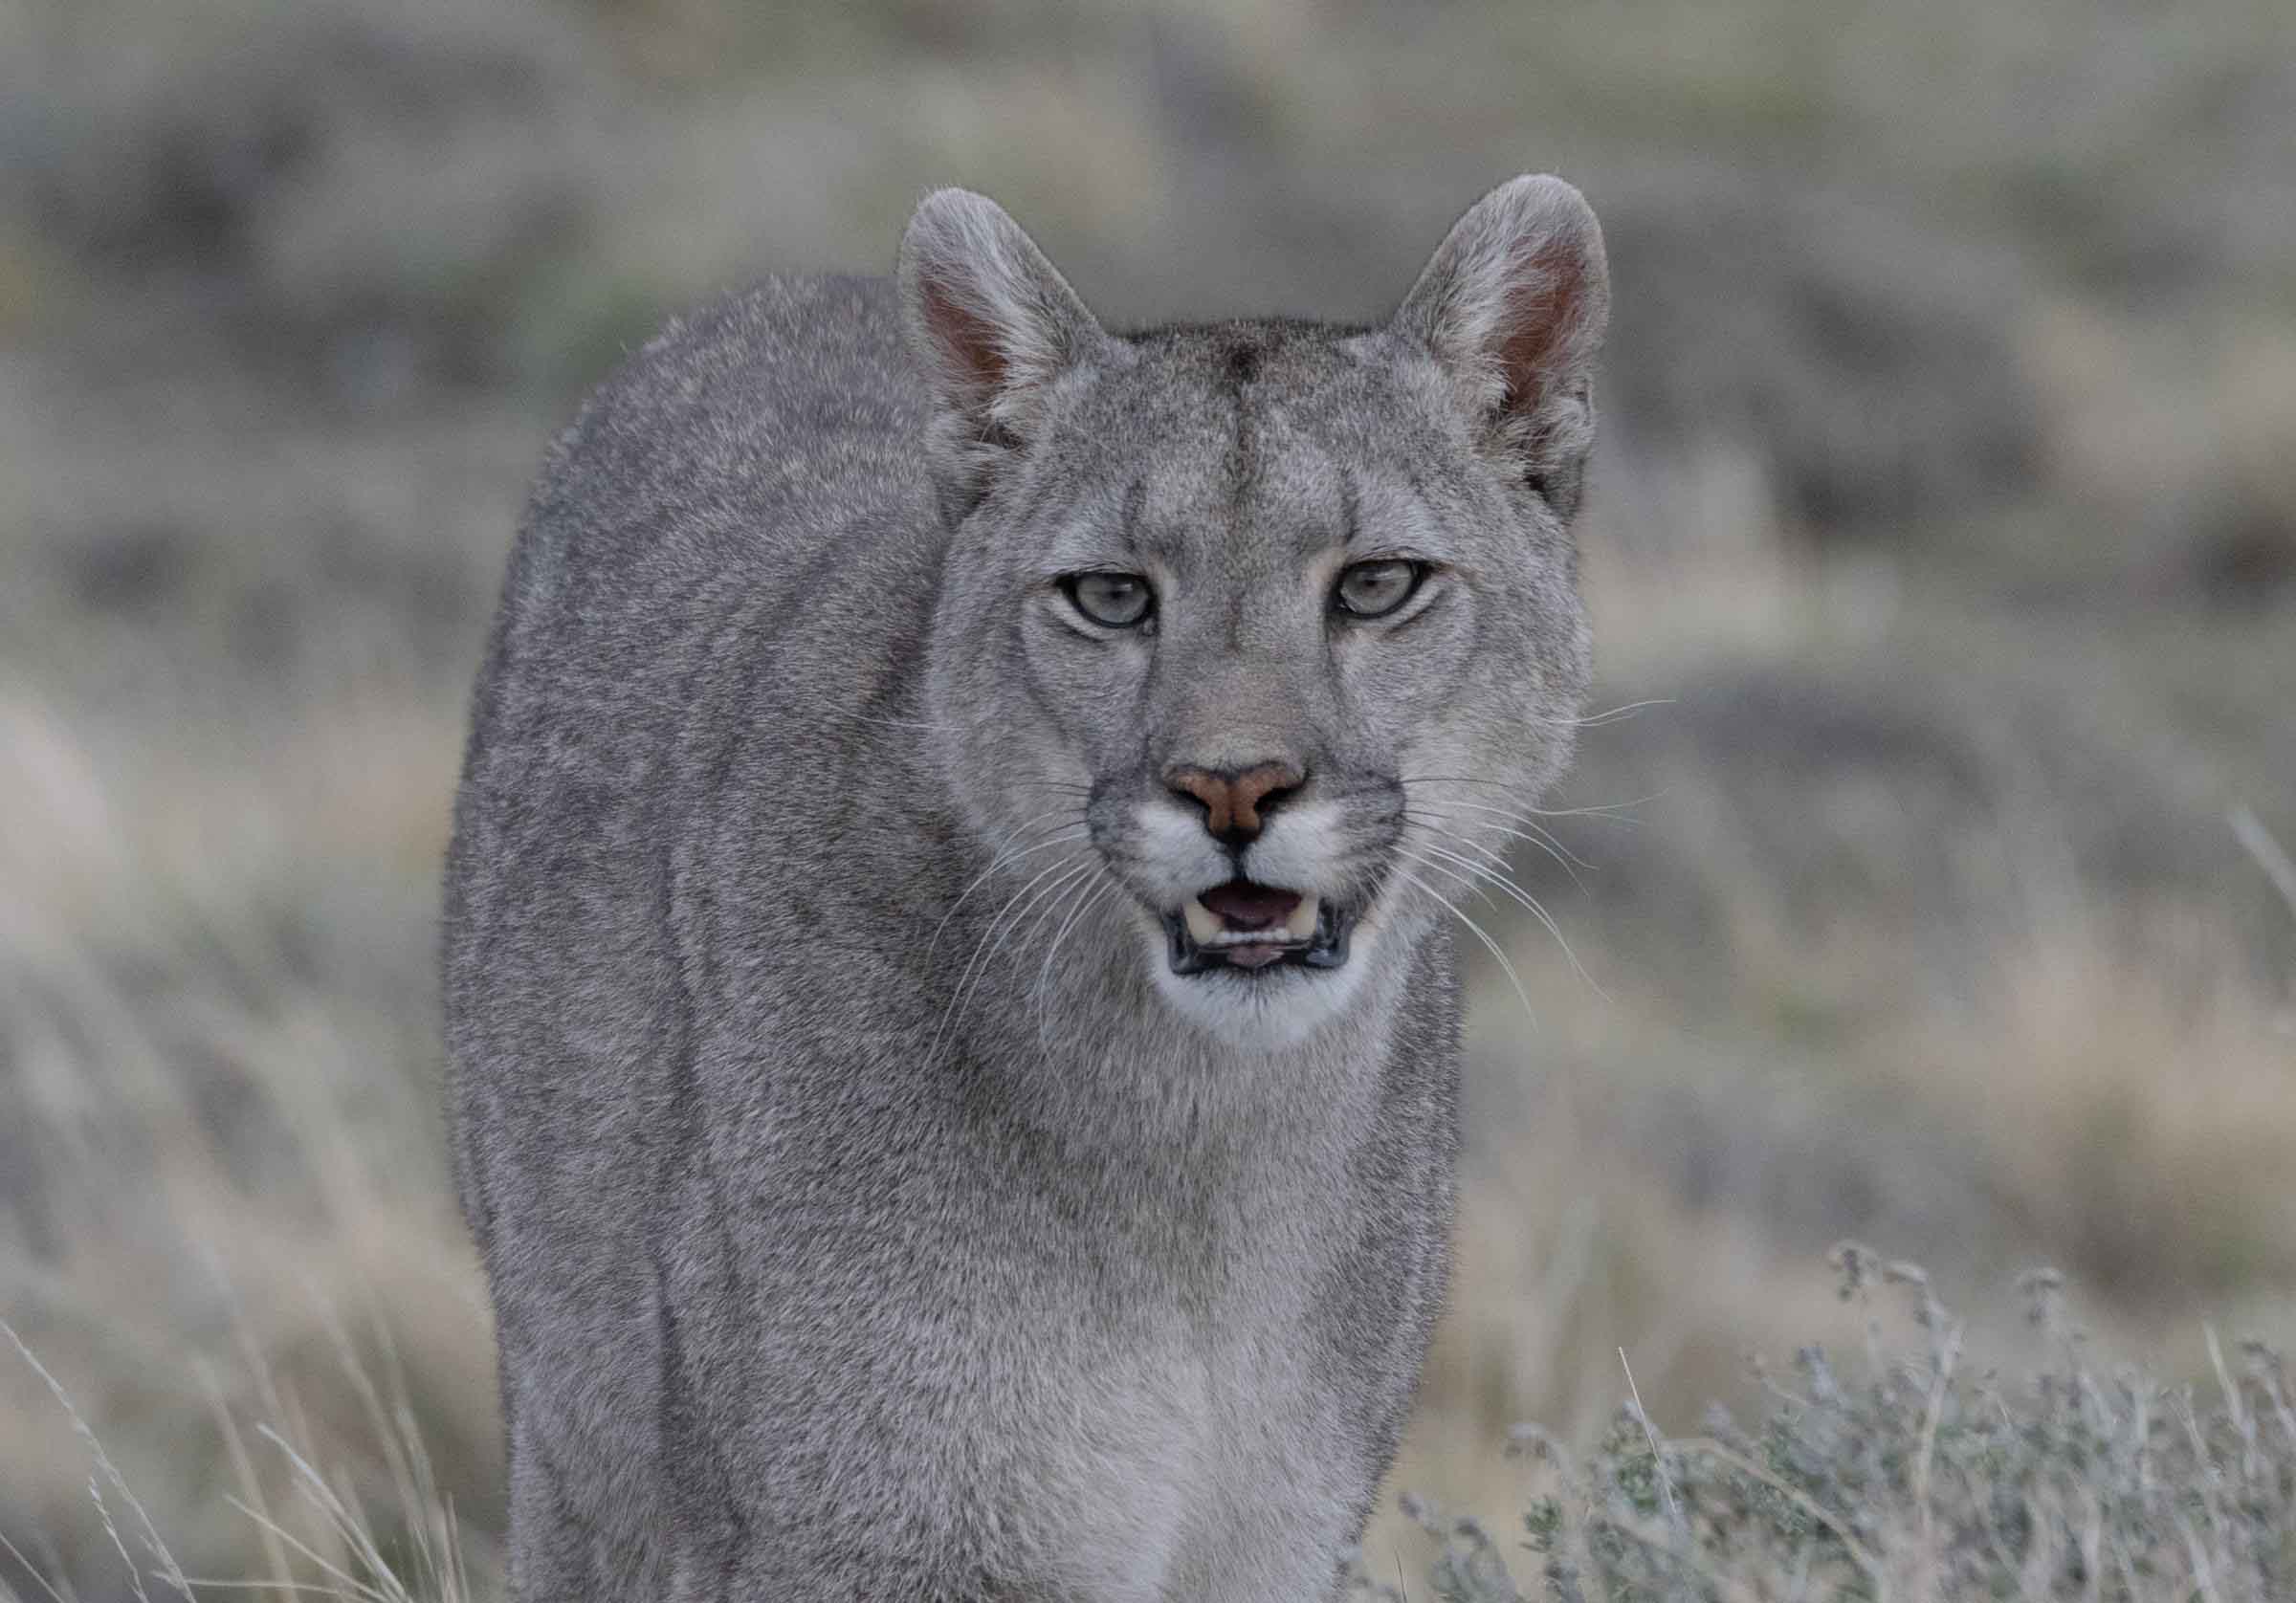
(1233,803)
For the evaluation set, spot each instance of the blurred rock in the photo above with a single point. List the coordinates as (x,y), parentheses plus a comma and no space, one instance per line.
(129,569)
(1866,356)
(348,188)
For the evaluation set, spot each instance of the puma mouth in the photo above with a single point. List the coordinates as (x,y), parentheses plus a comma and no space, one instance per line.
(1248,927)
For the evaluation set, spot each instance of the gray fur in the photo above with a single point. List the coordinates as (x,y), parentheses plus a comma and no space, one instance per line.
(869,1211)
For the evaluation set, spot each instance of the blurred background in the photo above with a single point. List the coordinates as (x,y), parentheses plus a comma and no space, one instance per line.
(1944,524)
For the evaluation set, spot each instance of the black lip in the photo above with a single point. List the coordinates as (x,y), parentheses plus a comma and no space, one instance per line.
(1326,948)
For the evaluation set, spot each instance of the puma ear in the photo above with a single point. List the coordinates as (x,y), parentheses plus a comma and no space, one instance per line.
(993,325)
(1513,305)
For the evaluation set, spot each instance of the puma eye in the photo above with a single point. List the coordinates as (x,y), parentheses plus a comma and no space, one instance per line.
(1115,600)
(1375,589)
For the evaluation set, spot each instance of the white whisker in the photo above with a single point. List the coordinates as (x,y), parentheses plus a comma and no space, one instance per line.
(1610,811)
(965,985)
(1538,835)
(1529,902)
(1441,824)
(1060,913)
(1039,908)
(1493,946)
(1430,863)
(1596,720)
(1005,858)
(1096,892)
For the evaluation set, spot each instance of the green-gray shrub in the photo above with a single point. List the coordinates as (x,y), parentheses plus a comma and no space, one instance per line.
(1919,1484)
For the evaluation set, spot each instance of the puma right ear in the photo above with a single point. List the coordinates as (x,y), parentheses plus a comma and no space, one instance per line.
(1513,305)
(994,326)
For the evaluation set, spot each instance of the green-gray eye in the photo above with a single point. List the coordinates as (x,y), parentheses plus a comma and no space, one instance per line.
(1115,600)
(1375,589)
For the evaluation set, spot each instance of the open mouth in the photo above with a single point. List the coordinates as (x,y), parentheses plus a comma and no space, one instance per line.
(1249,927)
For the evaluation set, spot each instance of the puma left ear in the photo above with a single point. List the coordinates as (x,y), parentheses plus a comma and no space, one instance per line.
(994,326)
(1513,305)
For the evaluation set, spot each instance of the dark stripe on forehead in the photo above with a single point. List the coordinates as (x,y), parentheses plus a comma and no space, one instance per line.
(1243,468)
(1351,508)
(1135,500)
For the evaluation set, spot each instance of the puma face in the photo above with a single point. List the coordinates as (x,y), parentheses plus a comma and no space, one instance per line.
(1258,630)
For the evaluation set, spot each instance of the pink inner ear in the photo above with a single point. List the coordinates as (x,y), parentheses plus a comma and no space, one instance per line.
(1544,304)
(976,360)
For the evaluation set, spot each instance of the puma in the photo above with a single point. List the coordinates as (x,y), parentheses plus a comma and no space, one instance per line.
(951,1002)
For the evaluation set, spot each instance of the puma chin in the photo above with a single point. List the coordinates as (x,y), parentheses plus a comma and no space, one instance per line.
(1250,988)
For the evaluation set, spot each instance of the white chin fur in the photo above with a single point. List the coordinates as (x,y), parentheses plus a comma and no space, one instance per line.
(1270,1011)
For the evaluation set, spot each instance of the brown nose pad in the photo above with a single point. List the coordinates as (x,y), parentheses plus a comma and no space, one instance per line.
(1233,803)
